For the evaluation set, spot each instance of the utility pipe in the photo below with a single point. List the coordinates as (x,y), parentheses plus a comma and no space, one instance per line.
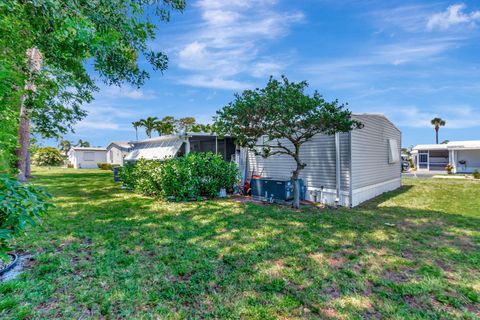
(337,167)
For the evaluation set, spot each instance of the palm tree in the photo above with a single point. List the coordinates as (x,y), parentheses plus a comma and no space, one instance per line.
(136,125)
(164,128)
(81,143)
(437,123)
(149,124)
(65,146)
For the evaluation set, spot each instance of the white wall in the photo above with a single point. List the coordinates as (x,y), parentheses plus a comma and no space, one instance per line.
(80,158)
(115,155)
(472,158)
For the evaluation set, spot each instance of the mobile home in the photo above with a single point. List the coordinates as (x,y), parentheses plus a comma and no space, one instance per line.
(346,168)
(464,156)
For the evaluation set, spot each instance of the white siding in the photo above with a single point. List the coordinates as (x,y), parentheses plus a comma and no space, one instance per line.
(319,155)
(77,158)
(364,162)
(372,174)
(115,155)
(472,159)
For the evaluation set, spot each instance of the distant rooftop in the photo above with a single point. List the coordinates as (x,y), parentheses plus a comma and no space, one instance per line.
(88,149)
(472,144)
(123,144)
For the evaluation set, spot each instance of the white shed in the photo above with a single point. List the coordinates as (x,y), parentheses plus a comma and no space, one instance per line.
(117,151)
(86,157)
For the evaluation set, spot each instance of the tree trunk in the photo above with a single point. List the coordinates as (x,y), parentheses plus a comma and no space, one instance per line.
(23,142)
(28,172)
(296,190)
(436,134)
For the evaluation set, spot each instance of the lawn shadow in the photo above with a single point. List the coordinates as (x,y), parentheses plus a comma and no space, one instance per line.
(219,258)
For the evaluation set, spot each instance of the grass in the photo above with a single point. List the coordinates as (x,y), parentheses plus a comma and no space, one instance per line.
(107,253)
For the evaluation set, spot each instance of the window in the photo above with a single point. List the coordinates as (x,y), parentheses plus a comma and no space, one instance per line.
(89,156)
(393,151)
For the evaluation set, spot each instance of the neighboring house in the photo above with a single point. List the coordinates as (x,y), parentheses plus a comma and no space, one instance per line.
(117,151)
(168,146)
(463,155)
(86,158)
(347,168)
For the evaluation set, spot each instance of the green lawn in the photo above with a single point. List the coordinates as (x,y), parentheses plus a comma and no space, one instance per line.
(107,253)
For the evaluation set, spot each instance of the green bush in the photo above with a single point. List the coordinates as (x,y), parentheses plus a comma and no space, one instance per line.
(191,177)
(146,173)
(476,174)
(20,205)
(47,157)
(126,174)
(105,166)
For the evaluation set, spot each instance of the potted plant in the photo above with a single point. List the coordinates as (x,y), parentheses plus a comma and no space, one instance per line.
(449,167)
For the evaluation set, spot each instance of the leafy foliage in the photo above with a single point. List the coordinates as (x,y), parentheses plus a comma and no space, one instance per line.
(169,125)
(476,174)
(437,123)
(285,117)
(47,156)
(105,166)
(193,176)
(449,167)
(20,205)
(64,146)
(83,144)
(108,37)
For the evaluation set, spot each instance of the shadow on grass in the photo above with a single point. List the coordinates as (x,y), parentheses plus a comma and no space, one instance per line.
(122,255)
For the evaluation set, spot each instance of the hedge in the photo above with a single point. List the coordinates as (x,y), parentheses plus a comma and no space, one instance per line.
(197,175)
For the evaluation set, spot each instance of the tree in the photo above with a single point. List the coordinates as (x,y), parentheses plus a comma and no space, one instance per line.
(437,123)
(149,124)
(286,117)
(165,126)
(48,156)
(64,146)
(136,125)
(445,142)
(185,124)
(112,35)
(82,144)
(198,127)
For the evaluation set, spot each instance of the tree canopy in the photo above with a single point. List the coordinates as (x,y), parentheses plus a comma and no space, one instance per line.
(108,37)
(285,117)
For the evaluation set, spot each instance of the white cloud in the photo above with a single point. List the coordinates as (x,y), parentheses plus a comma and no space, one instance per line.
(453,16)
(87,125)
(214,82)
(410,116)
(127,92)
(230,42)
(104,116)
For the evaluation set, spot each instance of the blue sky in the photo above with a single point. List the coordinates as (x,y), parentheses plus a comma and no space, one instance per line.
(408,60)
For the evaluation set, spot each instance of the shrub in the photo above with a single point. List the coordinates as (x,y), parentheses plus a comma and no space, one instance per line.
(105,166)
(145,173)
(449,167)
(20,205)
(191,177)
(476,174)
(47,157)
(126,174)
